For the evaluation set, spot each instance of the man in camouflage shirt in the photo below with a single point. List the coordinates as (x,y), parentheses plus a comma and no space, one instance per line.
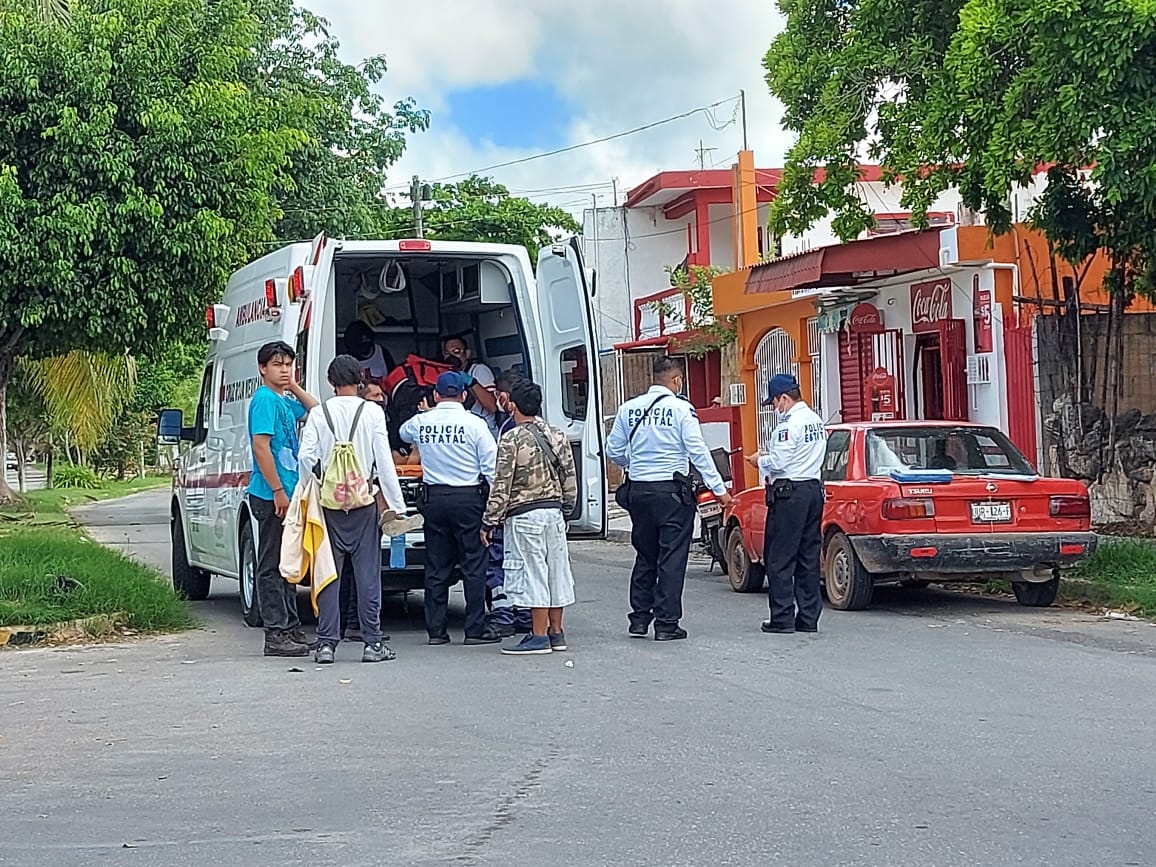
(535,487)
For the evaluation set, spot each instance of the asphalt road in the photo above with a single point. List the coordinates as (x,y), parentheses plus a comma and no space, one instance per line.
(935,729)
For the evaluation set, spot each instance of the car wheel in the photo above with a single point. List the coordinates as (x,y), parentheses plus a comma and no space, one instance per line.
(914,583)
(744,576)
(1036,595)
(250,606)
(849,585)
(189,581)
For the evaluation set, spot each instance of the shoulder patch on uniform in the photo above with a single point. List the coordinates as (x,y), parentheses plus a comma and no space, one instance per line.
(782,434)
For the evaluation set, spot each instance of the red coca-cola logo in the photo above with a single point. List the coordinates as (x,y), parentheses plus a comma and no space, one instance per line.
(866,319)
(930,304)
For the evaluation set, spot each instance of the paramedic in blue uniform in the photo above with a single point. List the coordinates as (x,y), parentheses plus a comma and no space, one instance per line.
(458,459)
(791,470)
(656,436)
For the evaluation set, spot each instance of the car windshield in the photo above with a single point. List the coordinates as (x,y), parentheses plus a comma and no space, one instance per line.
(965,451)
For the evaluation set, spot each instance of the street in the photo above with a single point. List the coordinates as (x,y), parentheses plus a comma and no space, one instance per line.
(934,729)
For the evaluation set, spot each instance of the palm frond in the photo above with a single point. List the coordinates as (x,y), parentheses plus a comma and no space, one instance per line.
(83,392)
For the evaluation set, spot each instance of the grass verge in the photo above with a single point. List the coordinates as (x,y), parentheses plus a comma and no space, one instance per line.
(1120,575)
(51,572)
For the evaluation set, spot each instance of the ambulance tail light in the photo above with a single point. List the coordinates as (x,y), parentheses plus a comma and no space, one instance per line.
(271,294)
(296,287)
(906,509)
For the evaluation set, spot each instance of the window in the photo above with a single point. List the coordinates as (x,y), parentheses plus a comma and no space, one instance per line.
(204,406)
(963,451)
(575,382)
(837,457)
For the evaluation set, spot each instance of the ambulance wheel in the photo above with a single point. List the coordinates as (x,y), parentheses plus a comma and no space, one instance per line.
(250,606)
(189,582)
(744,576)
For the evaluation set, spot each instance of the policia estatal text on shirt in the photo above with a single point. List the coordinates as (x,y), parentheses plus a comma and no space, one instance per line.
(655,438)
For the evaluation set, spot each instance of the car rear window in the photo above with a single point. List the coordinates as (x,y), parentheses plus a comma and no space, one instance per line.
(963,451)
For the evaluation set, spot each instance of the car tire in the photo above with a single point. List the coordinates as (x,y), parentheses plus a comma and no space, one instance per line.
(1036,595)
(849,586)
(250,604)
(744,575)
(188,581)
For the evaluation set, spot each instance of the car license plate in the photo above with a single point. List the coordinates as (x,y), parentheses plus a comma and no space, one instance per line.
(991,513)
(709,509)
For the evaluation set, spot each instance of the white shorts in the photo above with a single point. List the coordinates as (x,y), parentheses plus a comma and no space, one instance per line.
(537,561)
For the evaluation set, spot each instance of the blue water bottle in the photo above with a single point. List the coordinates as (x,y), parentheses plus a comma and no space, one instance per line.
(397,552)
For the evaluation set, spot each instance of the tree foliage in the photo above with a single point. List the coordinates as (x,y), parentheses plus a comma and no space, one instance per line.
(480,209)
(977,94)
(707,331)
(334,181)
(82,393)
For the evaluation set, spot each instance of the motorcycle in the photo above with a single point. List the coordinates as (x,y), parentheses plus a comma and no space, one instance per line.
(710,510)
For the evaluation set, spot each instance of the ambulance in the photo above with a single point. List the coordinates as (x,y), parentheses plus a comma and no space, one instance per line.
(412,293)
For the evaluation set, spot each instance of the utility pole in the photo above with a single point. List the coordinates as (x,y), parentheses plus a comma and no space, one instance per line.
(743,103)
(418,193)
(702,152)
(614,187)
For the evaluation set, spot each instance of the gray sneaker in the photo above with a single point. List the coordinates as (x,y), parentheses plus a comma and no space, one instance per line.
(528,646)
(379,652)
(324,654)
(557,640)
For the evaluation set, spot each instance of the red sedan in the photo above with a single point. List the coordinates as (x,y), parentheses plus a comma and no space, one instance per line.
(915,502)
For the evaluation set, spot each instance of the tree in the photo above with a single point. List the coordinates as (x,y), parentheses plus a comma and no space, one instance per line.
(480,209)
(136,171)
(977,94)
(82,393)
(707,331)
(335,181)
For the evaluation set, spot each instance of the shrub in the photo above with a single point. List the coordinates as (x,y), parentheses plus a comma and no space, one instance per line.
(75,477)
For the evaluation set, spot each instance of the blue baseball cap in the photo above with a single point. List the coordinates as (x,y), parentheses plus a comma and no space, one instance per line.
(779,385)
(450,384)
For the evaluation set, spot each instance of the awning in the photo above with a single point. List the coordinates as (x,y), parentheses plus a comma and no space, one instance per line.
(847,264)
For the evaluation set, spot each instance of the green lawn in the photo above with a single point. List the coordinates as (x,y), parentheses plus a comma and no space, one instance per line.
(1121,574)
(50,571)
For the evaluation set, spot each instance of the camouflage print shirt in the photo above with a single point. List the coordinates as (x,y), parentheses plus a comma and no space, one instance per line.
(525,476)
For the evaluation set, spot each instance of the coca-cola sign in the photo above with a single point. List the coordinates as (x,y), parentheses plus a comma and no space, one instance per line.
(930,304)
(865,319)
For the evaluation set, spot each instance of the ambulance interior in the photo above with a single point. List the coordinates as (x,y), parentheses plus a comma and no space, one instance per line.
(413,302)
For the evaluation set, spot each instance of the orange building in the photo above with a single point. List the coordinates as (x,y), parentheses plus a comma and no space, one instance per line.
(933,324)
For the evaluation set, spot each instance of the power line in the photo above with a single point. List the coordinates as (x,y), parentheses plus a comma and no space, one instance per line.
(705,110)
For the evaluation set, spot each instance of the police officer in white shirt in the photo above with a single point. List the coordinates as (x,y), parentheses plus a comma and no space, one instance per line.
(791,469)
(655,438)
(458,459)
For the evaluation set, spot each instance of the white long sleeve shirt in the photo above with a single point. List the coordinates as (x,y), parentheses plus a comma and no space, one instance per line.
(797,447)
(370,442)
(668,437)
(457,448)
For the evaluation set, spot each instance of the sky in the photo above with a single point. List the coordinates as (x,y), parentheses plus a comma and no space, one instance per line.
(508,79)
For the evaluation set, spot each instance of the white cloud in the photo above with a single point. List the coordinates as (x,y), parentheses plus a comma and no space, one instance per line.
(621,64)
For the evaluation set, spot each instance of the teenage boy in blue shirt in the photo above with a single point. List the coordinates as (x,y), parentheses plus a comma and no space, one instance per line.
(274,412)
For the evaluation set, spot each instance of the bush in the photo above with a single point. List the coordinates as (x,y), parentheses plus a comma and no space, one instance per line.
(81,477)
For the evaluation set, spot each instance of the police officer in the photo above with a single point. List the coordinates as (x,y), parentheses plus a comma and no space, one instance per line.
(791,541)
(654,439)
(458,456)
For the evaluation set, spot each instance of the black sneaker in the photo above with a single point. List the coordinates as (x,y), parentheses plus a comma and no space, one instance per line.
(487,637)
(771,629)
(638,630)
(676,634)
(379,652)
(438,640)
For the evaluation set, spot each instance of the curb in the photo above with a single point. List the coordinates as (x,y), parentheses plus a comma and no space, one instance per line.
(98,624)
(621,537)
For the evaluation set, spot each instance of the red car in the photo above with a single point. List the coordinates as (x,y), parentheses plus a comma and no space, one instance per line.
(920,501)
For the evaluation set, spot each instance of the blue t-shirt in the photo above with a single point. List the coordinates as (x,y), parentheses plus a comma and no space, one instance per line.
(276,416)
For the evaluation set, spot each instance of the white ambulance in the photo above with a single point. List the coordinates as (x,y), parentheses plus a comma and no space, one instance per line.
(412,293)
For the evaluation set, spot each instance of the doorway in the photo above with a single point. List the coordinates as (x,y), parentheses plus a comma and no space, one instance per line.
(928,372)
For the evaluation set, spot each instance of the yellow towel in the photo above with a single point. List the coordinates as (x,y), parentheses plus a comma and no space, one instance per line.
(305,545)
